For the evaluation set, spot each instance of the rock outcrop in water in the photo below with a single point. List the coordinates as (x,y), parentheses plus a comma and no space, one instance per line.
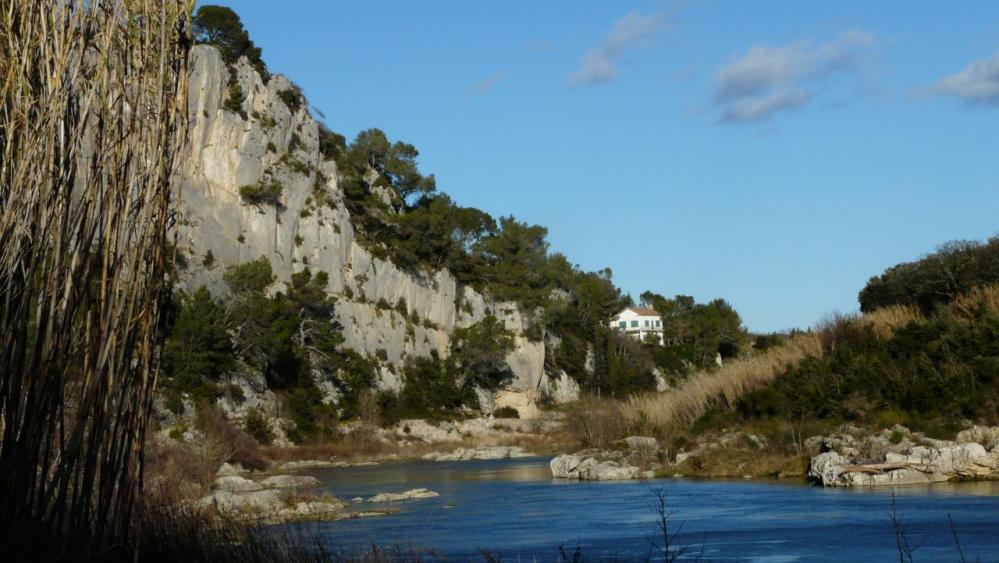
(901,457)
(609,465)
(412,494)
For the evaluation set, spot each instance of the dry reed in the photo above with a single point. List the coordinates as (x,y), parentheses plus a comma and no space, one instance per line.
(886,320)
(92,115)
(967,305)
(665,411)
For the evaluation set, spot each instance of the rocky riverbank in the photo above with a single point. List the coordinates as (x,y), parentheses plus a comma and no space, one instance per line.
(284,498)
(632,458)
(901,457)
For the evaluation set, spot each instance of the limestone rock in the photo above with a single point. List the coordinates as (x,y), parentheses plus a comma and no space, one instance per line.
(570,466)
(236,484)
(265,501)
(272,143)
(290,481)
(312,510)
(987,436)
(227,469)
(306,464)
(488,452)
(412,494)
(914,465)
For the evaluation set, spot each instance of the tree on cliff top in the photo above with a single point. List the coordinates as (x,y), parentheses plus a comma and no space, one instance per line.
(221,27)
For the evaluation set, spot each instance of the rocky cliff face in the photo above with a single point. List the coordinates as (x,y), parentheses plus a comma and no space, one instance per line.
(311,227)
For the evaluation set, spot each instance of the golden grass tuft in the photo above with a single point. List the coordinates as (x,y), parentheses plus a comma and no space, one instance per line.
(886,320)
(967,305)
(665,411)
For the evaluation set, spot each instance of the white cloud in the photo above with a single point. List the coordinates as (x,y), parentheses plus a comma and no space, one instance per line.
(768,80)
(977,84)
(748,110)
(486,85)
(632,30)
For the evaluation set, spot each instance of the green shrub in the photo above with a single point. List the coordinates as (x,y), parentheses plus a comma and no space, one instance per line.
(506,412)
(955,268)
(177,432)
(292,97)
(271,147)
(234,97)
(234,393)
(258,427)
(262,193)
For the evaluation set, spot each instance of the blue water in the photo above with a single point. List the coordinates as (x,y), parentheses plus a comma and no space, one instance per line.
(515,509)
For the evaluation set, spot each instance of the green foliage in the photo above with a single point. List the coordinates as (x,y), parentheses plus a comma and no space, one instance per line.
(221,27)
(764,342)
(357,374)
(208,262)
(258,427)
(292,97)
(943,368)
(234,97)
(177,432)
(710,328)
(198,350)
(331,145)
(936,279)
(313,420)
(439,234)
(431,390)
(263,192)
(478,354)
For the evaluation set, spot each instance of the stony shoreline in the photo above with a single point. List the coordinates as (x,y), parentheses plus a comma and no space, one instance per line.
(901,457)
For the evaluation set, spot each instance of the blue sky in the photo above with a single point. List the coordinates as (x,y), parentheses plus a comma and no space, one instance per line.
(776,154)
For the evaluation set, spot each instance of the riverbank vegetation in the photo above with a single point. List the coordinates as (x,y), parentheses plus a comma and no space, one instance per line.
(929,364)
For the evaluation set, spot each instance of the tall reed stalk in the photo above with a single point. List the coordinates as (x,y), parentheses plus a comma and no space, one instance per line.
(92,118)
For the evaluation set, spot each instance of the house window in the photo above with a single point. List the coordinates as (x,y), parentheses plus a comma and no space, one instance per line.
(622,324)
(634,324)
(646,324)
(658,324)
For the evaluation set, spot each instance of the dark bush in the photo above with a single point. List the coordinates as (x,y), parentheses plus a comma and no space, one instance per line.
(258,427)
(262,193)
(506,412)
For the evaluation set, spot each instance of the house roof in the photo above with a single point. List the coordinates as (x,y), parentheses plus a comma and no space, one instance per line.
(644,311)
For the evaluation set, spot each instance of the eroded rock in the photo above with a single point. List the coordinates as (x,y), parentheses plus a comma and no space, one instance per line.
(290,481)
(902,463)
(412,494)
(585,468)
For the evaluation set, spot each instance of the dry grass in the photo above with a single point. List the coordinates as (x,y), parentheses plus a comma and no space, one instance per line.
(886,320)
(663,411)
(595,423)
(969,304)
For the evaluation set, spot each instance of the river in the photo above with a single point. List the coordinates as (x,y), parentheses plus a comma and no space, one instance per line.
(513,508)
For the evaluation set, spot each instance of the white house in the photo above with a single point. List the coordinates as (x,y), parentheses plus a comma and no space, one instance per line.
(639,322)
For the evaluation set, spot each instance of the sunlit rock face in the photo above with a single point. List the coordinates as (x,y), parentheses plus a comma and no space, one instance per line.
(216,229)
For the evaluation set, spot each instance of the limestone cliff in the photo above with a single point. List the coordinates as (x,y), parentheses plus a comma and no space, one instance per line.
(311,227)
